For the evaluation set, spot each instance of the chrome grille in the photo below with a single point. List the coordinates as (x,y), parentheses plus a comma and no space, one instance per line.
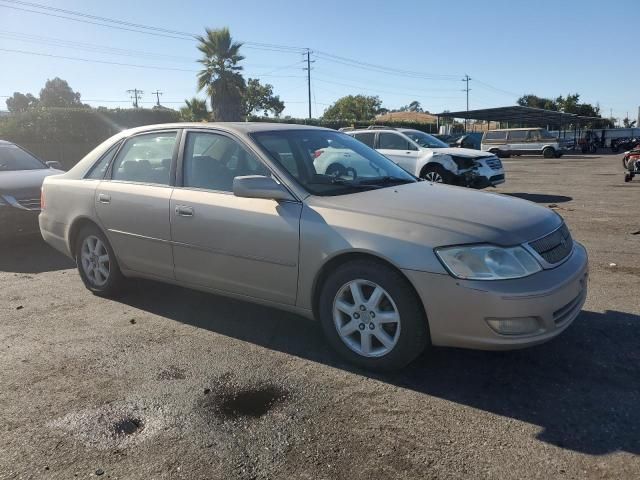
(554,247)
(494,163)
(30,203)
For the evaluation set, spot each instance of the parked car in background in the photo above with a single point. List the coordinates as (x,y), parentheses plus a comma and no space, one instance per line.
(21,176)
(471,140)
(523,141)
(388,264)
(426,157)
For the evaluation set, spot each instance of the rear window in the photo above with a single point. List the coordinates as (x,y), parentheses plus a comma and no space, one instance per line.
(495,135)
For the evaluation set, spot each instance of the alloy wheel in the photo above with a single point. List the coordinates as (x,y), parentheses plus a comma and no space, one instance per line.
(366,318)
(95,260)
(434,177)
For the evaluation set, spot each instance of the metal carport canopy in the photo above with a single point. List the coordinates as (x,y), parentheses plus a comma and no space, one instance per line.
(520,114)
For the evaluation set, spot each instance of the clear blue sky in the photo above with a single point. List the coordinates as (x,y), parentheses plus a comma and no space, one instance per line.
(547,48)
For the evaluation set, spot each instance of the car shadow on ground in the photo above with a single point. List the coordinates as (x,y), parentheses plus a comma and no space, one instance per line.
(581,389)
(540,197)
(31,255)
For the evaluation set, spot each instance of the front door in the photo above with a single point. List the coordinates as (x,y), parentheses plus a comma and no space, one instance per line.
(245,246)
(399,150)
(132,203)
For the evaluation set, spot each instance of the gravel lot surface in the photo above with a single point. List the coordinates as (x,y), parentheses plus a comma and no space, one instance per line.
(168,383)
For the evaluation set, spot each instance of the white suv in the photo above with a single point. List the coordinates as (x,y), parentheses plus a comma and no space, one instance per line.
(427,157)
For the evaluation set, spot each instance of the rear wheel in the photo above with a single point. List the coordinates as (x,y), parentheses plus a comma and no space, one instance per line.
(549,152)
(372,317)
(97,262)
(436,173)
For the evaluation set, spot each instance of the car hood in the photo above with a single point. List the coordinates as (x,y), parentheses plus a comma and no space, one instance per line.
(19,183)
(440,214)
(460,152)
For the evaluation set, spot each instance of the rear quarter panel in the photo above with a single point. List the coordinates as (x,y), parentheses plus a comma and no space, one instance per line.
(66,200)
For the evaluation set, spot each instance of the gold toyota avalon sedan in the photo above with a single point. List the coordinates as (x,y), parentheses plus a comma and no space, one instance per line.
(312,220)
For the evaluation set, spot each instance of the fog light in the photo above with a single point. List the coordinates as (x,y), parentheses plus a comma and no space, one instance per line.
(515,326)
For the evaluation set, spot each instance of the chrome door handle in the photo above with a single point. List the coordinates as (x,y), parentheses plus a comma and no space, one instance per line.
(104,198)
(184,211)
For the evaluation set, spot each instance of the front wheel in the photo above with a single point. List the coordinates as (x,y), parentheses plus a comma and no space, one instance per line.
(97,262)
(549,152)
(436,173)
(372,317)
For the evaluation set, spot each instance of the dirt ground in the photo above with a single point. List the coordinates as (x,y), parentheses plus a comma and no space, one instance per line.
(167,383)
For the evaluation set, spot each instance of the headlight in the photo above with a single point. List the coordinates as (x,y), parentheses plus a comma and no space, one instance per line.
(488,262)
(463,162)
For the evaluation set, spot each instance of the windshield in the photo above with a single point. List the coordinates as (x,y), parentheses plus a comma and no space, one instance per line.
(13,158)
(330,163)
(424,139)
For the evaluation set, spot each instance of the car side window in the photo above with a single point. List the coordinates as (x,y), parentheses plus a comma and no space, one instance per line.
(99,169)
(518,135)
(393,141)
(368,138)
(534,135)
(146,159)
(212,161)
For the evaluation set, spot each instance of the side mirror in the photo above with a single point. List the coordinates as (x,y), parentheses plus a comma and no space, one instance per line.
(54,164)
(259,186)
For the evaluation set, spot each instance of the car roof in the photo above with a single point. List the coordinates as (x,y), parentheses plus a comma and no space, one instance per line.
(234,127)
(5,142)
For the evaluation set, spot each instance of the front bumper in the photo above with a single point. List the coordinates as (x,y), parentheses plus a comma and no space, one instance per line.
(458,310)
(483,177)
(15,222)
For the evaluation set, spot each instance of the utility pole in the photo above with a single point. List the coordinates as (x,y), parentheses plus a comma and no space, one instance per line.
(135,95)
(466,79)
(308,69)
(157,93)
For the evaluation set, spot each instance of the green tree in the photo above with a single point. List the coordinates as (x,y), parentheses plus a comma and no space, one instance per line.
(354,107)
(260,97)
(195,110)
(220,76)
(534,101)
(19,102)
(58,93)
(414,106)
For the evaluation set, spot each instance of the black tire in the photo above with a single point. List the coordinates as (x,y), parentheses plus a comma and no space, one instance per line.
(628,177)
(413,337)
(435,169)
(548,152)
(115,280)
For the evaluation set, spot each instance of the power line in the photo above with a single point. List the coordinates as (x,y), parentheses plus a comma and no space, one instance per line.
(134,65)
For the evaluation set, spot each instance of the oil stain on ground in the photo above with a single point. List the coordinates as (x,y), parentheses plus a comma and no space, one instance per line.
(229,402)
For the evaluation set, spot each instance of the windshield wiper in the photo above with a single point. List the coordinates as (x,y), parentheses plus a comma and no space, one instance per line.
(387,180)
(330,180)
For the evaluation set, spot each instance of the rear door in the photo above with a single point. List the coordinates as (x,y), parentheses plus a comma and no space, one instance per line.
(133,202)
(399,150)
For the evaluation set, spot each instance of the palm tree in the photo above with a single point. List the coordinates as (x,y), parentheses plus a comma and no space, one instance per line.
(220,77)
(195,110)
